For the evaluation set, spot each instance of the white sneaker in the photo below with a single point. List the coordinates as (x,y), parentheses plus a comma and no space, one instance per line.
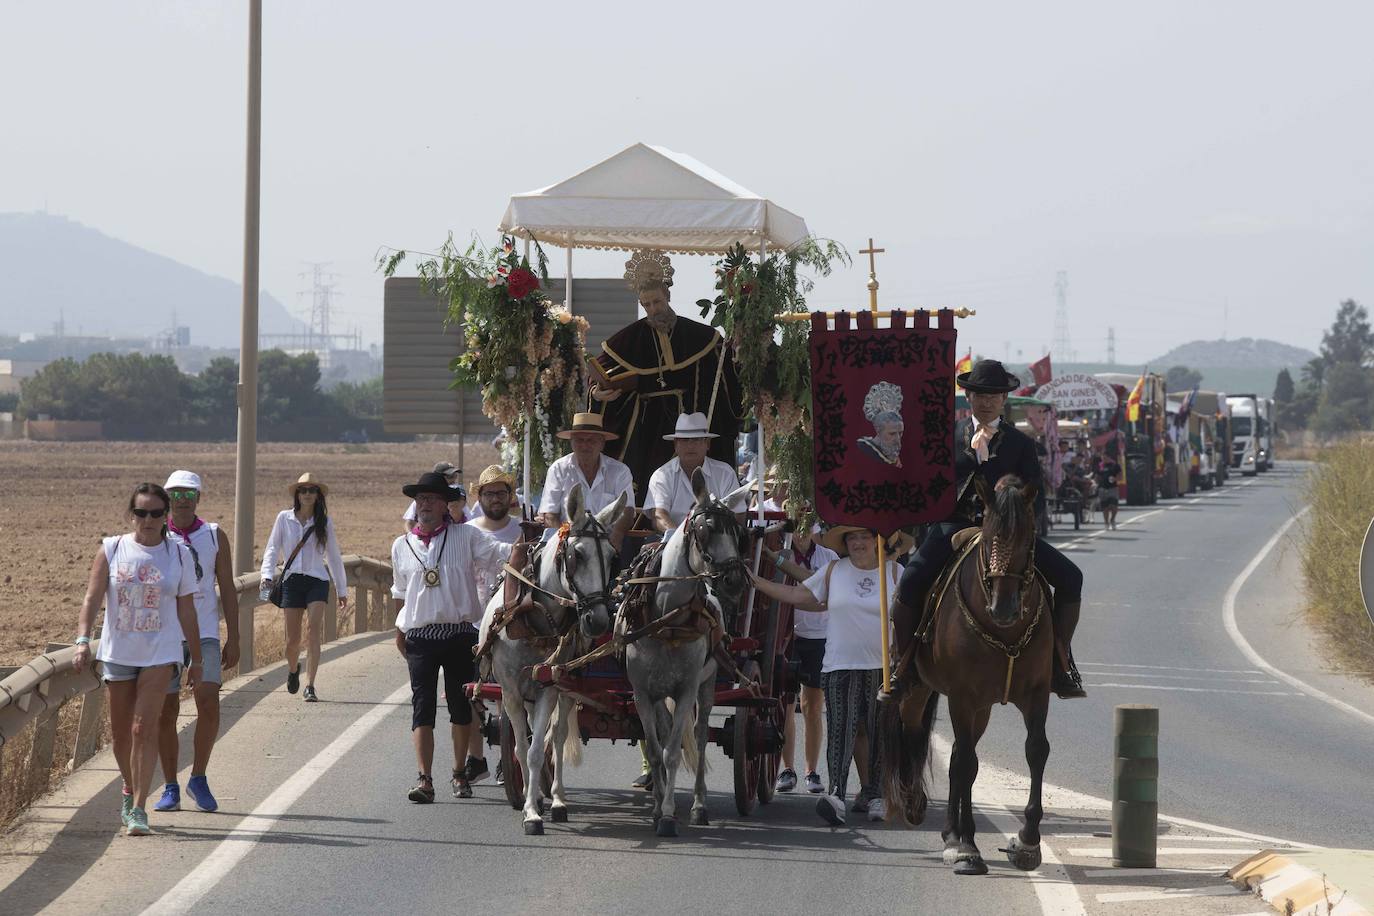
(831,810)
(877,810)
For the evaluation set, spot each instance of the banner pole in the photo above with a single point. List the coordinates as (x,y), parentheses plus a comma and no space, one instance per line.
(882,612)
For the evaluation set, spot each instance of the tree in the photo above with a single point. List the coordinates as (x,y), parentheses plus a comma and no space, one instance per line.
(1181,378)
(1314,373)
(360,400)
(288,389)
(212,399)
(1283,387)
(1349,339)
(1345,404)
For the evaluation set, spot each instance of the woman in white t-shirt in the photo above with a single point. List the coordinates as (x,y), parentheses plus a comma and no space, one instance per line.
(148,585)
(851,673)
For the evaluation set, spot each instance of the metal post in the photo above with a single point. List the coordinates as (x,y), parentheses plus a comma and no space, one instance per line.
(245,466)
(761,475)
(1135,787)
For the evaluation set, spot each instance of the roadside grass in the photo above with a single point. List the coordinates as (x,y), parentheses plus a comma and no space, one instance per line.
(1341,493)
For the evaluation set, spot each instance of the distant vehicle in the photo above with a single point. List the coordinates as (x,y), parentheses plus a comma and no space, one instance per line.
(1251,433)
(1146,474)
(1212,405)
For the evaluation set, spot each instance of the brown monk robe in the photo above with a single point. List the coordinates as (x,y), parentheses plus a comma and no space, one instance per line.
(651,371)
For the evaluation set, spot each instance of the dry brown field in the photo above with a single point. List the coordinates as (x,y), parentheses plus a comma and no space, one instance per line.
(57,500)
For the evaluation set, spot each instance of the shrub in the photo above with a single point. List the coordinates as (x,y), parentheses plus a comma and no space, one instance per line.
(1341,493)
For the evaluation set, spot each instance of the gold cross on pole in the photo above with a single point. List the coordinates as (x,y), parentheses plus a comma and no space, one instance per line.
(872,273)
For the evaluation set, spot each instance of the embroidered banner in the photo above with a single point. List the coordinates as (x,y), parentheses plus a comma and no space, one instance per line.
(883,409)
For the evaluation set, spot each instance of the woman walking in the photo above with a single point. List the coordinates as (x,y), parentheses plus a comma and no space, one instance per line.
(148,585)
(851,672)
(303,540)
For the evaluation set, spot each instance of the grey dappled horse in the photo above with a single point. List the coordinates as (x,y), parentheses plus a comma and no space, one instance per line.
(705,560)
(578,569)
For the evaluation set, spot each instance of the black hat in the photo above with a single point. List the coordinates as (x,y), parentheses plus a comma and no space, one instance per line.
(431,482)
(988,376)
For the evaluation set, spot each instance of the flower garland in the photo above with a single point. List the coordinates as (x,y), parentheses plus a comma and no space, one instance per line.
(524,353)
(772,356)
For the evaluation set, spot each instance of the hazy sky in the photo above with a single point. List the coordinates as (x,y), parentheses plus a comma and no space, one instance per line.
(1173,157)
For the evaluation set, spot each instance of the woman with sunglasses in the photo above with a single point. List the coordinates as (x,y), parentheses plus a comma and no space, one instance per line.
(303,540)
(148,586)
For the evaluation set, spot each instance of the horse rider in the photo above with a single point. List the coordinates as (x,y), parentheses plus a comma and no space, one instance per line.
(987,445)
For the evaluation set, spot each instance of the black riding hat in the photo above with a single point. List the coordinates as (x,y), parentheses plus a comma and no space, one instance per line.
(988,376)
(431,482)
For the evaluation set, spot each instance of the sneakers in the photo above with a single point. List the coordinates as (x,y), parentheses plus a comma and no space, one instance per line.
(477,769)
(813,783)
(831,810)
(293,681)
(423,792)
(860,805)
(460,785)
(171,798)
(199,789)
(643,781)
(500,776)
(126,808)
(877,810)
(311,696)
(137,824)
(787,780)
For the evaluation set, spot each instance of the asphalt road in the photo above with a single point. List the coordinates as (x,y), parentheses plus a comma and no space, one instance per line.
(331,830)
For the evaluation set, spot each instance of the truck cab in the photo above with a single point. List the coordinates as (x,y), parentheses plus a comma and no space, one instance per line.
(1249,430)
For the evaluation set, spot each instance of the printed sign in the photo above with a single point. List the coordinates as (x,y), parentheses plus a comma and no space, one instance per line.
(1077,391)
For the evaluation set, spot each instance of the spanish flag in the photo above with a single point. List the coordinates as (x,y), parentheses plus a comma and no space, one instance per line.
(962,366)
(1133,401)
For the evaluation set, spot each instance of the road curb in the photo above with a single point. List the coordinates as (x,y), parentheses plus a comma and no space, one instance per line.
(1308,882)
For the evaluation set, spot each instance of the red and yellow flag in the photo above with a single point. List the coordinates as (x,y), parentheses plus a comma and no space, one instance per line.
(1133,401)
(962,366)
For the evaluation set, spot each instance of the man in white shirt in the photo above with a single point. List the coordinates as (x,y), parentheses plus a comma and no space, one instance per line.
(603,478)
(495,493)
(671,497)
(436,567)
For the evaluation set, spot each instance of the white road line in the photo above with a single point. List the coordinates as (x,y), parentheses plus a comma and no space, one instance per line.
(1163,837)
(240,841)
(1228,614)
(1216,890)
(1105,852)
(1168,668)
(1187,677)
(1179,688)
(1120,873)
(1053,886)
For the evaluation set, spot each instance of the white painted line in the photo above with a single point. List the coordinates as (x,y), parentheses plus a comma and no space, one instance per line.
(1170,668)
(1187,677)
(1105,852)
(191,889)
(1176,687)
(1166,837)
(1053,886)
(1228,614)
(1120,873)
(1219,890)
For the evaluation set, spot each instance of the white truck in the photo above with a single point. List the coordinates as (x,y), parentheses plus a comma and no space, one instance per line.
(1252,442)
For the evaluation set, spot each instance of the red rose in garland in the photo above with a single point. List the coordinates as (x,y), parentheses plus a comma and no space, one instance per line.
(521,283)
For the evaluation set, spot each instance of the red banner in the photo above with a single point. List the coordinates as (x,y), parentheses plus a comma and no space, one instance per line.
(1040,370)
(883,410)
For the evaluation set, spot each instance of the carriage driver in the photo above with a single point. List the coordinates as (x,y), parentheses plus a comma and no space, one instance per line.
(987,445)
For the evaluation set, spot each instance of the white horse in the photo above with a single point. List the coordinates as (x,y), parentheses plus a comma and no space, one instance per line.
(573,575)
(673,670)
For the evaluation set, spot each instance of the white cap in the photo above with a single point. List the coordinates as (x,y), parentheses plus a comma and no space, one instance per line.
(185,480)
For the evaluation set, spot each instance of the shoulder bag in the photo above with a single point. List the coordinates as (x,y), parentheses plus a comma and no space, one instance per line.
(274,594)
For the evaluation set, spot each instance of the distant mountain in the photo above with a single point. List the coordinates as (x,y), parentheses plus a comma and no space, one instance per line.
(1245,353)
(102,286)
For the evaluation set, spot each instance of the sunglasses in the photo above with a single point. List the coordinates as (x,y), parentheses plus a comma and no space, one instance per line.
(183,495)
(308,490)
(146,513)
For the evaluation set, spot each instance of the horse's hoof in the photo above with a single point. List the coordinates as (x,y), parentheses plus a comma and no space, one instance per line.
(700,818)
(667,826)
(560,814)
(970,865)
(1026,858)
(534,828)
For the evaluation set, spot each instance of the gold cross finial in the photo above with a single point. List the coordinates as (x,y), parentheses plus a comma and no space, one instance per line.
(871,250)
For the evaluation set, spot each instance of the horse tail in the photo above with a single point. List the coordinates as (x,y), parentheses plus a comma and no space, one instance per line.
(572,741)
(906,751)
(691,759)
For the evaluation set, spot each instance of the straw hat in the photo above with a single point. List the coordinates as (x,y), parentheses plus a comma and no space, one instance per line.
(583,423)
(494,473)
(691,426)
(308,480)
(897,545)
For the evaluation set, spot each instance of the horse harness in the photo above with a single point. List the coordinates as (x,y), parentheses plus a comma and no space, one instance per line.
(988,560)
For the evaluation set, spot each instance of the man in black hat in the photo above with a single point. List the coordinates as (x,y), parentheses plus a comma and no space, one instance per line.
(436,568)
(990,447)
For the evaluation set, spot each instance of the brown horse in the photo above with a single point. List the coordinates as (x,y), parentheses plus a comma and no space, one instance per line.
(991,641)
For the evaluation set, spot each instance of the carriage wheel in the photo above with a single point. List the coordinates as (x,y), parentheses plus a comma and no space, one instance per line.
(514,772)
(746,769)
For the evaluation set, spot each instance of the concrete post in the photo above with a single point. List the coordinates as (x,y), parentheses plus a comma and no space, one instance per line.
(1135,787)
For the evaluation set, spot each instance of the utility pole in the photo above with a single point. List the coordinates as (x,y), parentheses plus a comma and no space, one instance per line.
(1063,345)
(246,460)
(1111,346)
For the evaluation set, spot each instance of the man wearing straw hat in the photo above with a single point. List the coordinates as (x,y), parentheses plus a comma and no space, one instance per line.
(602,477)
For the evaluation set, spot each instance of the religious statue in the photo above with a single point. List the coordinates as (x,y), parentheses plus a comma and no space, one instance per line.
(660,367)
(883,408)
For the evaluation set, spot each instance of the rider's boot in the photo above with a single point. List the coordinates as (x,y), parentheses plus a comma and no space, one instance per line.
(1066,681)
(904,623)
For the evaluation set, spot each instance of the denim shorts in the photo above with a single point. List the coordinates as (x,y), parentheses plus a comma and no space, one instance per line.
(112,672)
(212,664)
(301,591)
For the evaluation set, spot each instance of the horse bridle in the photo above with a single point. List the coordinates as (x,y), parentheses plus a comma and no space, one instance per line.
(566,561)
(992,564)
(715,569)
